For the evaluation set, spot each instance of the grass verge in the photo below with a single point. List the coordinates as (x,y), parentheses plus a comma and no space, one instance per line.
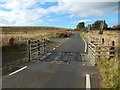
(84,36)
(109,69)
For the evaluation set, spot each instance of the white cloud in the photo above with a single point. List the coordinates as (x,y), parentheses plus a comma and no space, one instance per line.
(84,9)
(22,14)
(88,0)
(85,21)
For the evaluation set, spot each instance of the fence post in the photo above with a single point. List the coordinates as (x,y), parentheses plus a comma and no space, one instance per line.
(95,54)
(112,48)
(44,46)
(11,42)
(38,47)
(29,50)
(103,40)
(99,52)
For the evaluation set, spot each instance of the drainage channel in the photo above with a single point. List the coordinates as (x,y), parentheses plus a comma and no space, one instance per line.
(63,57)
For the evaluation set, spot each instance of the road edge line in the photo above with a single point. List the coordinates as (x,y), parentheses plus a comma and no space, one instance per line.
(85,44)
(18,70)
(53,48)
(88,86)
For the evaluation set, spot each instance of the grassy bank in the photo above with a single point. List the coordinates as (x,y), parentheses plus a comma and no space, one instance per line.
(109,68)
(13,57)
(109,71)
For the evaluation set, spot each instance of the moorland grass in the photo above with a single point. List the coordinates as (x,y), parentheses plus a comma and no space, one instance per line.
(109,68)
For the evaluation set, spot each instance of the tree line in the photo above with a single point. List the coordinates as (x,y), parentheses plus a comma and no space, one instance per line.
(96,26)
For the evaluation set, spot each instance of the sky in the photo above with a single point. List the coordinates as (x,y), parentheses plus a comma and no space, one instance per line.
(58,13)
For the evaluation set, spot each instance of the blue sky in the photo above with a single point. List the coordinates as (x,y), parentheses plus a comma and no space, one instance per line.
(62,13)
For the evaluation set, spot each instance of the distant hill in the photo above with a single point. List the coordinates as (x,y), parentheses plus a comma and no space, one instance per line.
(29,28)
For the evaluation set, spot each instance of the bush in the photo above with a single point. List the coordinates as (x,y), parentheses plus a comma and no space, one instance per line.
(63,34)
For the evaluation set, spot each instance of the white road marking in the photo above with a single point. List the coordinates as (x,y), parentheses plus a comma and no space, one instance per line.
(48,54)
(85,45)
(45,56)
(68,62)
(56,46)
(83,64)
(18,70)
(88,86)
(53,48)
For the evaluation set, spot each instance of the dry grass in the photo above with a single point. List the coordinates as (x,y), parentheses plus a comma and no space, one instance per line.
(107,35)
(109,69)
(20,34)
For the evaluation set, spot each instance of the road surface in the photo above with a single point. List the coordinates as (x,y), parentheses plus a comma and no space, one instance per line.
(61,68)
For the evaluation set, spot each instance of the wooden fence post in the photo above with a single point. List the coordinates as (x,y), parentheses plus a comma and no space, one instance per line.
(44,46)
(112,48)
(103,40)
(38,47)
(99,53)
(29,50)
(35,48)
(11,41)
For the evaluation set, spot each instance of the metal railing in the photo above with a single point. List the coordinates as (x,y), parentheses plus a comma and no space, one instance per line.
(92,52)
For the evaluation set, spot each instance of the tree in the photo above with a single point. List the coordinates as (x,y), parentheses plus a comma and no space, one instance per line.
(96,25)
(116,27)
(81,25)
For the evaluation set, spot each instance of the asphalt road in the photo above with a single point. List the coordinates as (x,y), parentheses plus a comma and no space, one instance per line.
(73,44)
(62,68)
